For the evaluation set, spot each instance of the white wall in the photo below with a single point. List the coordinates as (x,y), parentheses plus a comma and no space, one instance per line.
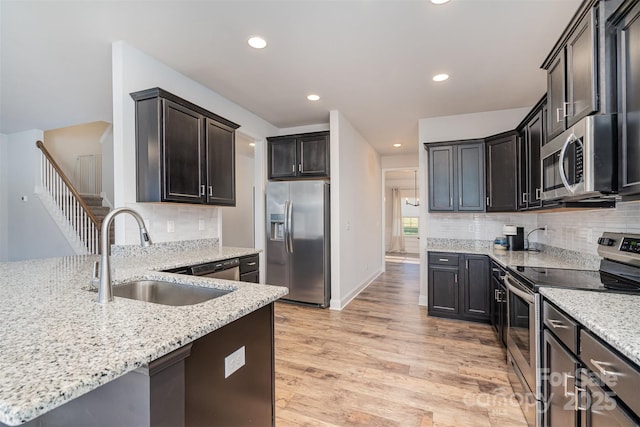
(304,129)
(32,232)
(238,221)
(4,201)
(66,144)
(133,71)
(356,246)
(107,166)
(400,161)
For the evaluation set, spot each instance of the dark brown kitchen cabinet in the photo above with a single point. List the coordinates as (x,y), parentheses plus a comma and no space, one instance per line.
(458,286)
(184,153)
(299,156)
(532,138)
(498,306)
(627,34)
(456,176)
(250,268)
(559,387)
(502,168)
(572,70)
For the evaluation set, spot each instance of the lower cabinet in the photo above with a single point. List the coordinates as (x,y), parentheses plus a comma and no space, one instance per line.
(559,388)
(250,269)
(459,286)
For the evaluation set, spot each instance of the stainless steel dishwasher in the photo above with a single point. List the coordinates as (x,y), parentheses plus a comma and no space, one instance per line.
(228,269)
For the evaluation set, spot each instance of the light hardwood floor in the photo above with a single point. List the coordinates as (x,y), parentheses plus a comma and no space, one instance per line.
(383,362)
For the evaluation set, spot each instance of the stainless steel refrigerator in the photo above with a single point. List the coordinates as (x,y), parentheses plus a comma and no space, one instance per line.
(298,247)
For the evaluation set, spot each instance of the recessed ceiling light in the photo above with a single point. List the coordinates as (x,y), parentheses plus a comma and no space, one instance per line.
(252,144)
(397,145)
(439,1)
(313,97)
(440,77)
(257,42)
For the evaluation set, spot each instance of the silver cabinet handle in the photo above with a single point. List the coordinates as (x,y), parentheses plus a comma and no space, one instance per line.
(443,259)
(525,197)
(538,193)
(210,191)
(496,295)
(605,373)
(488,202)
(293,168)
(556,324)
(251,263)
(455,278)
(568,109)
(466,264)
(578,396)
(559,117)
(460,201)
(567,393)
(451,201)
(299,167)
(202,190)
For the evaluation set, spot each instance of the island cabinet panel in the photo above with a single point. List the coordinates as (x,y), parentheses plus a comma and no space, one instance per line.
(218,395)
(250,268)
(628,63)
(184,153)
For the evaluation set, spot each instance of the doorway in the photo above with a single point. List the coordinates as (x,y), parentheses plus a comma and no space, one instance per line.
(401,215)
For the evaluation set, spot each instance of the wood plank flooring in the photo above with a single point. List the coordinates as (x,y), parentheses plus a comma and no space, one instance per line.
(383,362)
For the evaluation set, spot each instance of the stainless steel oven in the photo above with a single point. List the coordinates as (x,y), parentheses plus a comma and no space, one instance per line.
(523,347)
(580,163)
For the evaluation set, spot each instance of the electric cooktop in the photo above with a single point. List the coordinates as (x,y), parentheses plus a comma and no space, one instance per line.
(536,277)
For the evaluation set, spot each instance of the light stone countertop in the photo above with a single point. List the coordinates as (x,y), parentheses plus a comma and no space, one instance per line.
(614,317)
(57,342)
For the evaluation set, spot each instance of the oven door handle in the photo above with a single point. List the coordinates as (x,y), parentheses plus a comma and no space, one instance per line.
(528,297)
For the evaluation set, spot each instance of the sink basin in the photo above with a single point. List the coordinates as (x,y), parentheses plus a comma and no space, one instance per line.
(166,293)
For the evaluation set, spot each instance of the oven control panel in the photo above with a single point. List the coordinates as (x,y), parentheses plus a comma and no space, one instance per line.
(621,247)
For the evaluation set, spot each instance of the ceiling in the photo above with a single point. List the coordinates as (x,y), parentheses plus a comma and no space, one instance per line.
(371,59)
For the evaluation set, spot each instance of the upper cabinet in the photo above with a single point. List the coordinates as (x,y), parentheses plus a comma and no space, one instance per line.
(184,153)
(299,156)
(456,176)
(502,168)
(626,30)
(572,73)
(532,138)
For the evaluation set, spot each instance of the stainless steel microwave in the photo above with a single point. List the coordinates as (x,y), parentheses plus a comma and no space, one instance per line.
(580,163)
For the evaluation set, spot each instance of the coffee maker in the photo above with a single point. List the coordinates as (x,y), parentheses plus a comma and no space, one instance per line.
(515,237)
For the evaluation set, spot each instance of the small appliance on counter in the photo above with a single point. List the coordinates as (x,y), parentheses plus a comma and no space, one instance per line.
(515,237)
(500,243)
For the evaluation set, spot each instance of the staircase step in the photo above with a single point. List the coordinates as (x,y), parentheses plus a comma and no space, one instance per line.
(92,200)
(100,211)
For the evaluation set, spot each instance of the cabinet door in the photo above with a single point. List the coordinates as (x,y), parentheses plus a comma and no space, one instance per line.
(314,156)
(501,173)
(183,154)
(581,71)
(628,36)
(441,184)
(559,384)
(523,169)
(470,185)
(556,96)
(443,291)
(221,177)
(535,135)
(476,287)
(283,162)
(599,408)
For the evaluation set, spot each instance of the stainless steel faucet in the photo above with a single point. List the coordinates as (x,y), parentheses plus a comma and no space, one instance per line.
(105,290)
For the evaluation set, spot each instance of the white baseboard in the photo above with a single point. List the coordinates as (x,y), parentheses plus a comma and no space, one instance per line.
(339,304)
(422,300)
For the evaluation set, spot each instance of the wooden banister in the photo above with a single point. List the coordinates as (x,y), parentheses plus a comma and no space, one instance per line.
(69,185)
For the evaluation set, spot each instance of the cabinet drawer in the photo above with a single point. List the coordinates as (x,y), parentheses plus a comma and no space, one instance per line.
(249,263)
(443,258)
(561,326)
(618,374)
(252,277)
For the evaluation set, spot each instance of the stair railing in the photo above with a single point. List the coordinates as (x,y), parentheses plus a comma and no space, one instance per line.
(66,197)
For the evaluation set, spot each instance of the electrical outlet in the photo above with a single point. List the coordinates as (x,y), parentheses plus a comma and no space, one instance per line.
(171,227)
(233,362)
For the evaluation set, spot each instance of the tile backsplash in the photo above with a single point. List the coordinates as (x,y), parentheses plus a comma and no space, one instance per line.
(572,230)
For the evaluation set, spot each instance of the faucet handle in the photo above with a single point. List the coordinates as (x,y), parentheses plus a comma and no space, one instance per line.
(95,277)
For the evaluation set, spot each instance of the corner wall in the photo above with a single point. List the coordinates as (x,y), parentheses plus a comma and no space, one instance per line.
(33,233)
(356,241)
(4,201)
(133,71)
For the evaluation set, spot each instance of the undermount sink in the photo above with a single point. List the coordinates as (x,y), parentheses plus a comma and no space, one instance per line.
(166,293)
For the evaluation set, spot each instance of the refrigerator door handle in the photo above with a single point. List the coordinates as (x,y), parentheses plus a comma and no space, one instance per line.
(289,233)
(286,226)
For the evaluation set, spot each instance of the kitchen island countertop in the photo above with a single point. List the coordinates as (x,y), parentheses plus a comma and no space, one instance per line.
(57,343)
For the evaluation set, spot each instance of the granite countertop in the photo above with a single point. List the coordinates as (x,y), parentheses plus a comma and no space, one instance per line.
(614,317)
(57,342)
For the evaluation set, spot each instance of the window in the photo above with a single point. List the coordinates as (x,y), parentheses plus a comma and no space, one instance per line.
(410,225)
